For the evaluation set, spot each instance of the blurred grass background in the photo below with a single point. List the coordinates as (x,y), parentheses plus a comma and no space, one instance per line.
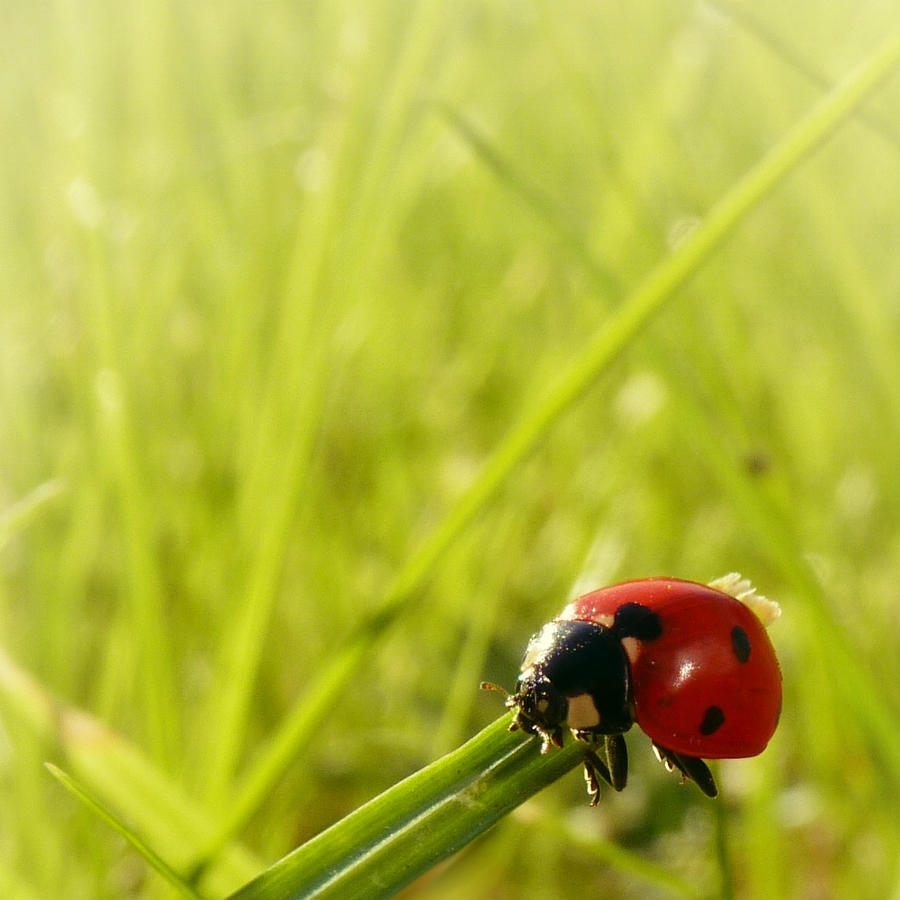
(277,279)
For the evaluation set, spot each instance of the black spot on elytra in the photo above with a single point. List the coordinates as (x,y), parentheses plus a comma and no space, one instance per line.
(740,643)
(713,720)
(637,621)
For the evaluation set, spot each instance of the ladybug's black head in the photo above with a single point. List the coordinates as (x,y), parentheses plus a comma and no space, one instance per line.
(540,708)
(574,673)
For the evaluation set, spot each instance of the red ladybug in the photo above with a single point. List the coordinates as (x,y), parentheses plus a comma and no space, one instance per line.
(690,663)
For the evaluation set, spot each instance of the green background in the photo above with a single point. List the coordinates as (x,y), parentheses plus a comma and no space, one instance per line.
(278,278)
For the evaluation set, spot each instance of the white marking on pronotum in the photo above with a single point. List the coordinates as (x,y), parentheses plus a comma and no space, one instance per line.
(582,712)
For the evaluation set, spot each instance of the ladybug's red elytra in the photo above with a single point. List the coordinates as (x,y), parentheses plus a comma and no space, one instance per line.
(690,663)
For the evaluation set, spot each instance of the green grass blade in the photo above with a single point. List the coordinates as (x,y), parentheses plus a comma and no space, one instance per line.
(144,849)
(115,415)
(748,18)
(619,331)
(123,779)
(409,828)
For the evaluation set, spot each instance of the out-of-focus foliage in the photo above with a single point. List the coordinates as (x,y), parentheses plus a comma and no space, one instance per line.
(277,278)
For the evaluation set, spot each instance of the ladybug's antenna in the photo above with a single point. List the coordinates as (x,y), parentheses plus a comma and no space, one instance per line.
(490,686)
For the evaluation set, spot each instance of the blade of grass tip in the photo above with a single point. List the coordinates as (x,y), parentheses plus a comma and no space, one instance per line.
(149,854)
(616,334)
(415,824)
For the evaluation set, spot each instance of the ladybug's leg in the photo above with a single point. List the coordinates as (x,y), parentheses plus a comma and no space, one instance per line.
(691,767)
(552,737)
(614,770)
(699,773)
(617,757)
(595,770)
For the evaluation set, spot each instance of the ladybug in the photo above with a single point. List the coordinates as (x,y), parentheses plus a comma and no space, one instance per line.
(690,663)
